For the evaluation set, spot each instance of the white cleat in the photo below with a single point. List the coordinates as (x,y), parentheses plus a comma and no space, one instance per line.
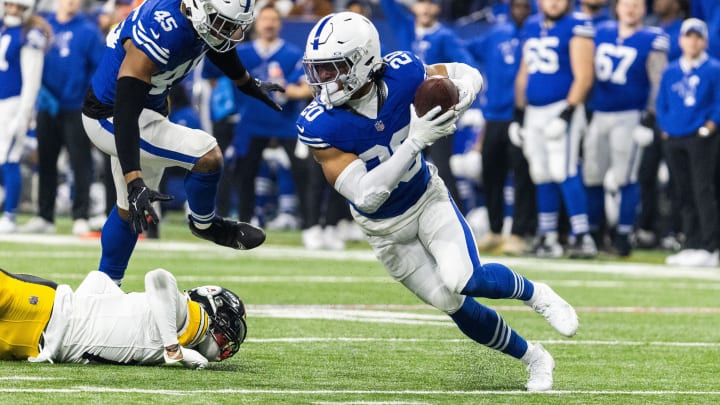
(7,225)
(37,225)
(80,227)
(539,364)
(554,309)
(313,238)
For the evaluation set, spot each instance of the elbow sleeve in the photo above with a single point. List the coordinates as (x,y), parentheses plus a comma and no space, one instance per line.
(129,103)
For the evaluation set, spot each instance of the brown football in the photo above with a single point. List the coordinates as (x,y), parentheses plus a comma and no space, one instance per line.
(434,91)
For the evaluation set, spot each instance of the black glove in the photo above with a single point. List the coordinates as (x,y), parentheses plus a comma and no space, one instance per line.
(261,91)
(567,114)
(519,115)
(141,198)
(648,120)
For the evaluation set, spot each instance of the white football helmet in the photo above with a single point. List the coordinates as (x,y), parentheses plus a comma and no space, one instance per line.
(220,23)
(15,20)
(342,49)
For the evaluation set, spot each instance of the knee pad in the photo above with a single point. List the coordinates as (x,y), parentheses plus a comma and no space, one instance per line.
(446,300)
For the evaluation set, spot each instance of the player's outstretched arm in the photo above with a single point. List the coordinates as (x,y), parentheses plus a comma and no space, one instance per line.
(230,64)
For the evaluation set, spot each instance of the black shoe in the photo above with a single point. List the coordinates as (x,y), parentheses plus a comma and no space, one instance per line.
(622,245)
(234,234)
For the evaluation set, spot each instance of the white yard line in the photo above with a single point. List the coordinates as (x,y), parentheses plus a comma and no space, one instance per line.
(178,392)
(203,249)
(455,341)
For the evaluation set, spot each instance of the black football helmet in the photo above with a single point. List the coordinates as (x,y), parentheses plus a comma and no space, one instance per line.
(227,317)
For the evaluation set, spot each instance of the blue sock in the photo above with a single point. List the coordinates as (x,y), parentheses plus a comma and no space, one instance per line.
(486,327)
(548,204)
(13,186)
(596,206)
(576,203)
(495,280)
(201,189)
(118,242)
(629,199)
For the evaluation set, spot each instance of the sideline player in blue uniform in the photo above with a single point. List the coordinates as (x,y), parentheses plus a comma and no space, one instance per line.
(125,115)
(629,61)
(72,58)
(23,39)
(365,134)
(555,76)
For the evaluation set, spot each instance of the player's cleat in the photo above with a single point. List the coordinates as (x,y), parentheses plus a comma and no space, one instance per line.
(332,239)
(7,225)
(622,245)
(284,222)
(546,246)
(37,225)
(80,227)
(540,365)
(694,258)
(583,247)
(489,242)
(514,246)
(313,238)
(559,314)
(234,234)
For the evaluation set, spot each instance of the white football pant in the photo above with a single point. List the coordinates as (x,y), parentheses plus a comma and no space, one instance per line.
(429,249)
(162,144)
(609,145)
(552,160)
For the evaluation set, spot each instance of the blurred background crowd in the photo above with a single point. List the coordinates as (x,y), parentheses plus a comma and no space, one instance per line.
(270,179)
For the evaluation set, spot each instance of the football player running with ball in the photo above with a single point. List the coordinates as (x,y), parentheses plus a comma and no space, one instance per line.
(629,61)
(125,116)
(42,321)
(364,132)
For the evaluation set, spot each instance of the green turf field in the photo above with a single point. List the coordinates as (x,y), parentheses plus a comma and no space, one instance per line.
(332,328)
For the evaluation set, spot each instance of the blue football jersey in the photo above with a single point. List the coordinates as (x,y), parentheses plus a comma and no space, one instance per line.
(12,40)
(160,30)
(621,78)
(546,51)
(374,140)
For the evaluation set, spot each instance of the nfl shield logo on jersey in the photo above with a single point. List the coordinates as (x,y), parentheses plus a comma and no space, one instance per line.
(33,300)
(379,126)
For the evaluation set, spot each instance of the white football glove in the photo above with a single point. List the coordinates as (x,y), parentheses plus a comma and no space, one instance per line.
(467,165)
(466,95)
(431,126)
(190,358)
(516,133)
(642,135)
